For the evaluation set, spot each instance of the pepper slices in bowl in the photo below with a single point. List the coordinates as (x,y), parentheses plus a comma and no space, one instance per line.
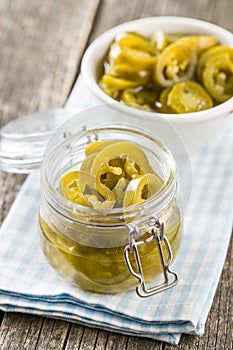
(168,73)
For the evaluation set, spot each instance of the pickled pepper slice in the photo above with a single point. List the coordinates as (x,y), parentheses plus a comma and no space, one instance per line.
(127,72)
(217,76)
(188,97)
(109,175)
(209,54)
(199,43)
(131,168)
(113,85)
(144,98)
(87,162)
(141,188)
(97,146)
(95,194)
(122,149)
(140,60)
(119,192)
(177,62)
(136,41)
(160,40)
(69,188)
(163,105)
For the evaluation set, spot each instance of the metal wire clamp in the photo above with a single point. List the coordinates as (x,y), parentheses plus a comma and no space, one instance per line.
(170,278)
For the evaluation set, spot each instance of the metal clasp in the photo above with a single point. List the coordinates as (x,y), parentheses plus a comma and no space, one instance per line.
(170,278)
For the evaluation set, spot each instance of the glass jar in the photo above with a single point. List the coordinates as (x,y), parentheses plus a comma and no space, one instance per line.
(110,250)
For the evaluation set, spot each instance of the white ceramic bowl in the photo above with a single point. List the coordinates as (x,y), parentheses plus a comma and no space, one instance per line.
(196,129)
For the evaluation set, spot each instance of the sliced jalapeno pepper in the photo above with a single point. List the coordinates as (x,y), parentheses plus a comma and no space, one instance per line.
(122,149)
(163,104)
(160,40)
(177,62)
(136,41)
(95,194)
(144,98)
(189,96)
(97,146)
(124,71)
(87,162)
(217,76)
(138,59)
(199,43)
(69,188)
(119,192)
(109,175)
(209,54)
(131,168)
(141,188)
(112,85)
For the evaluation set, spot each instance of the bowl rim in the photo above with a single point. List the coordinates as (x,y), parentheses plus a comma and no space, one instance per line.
(110,33)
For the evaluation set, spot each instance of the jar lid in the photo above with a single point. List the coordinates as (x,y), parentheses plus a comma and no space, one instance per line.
(23,140)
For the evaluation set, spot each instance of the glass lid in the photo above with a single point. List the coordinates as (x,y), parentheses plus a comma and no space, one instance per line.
(23,140)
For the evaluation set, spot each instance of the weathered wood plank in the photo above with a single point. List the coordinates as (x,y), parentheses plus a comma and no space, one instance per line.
(116,341)
(53,335)
(19,330)
(113,12)
(88,340)
(41,47)
(75,337)
(101,340)
(136,343)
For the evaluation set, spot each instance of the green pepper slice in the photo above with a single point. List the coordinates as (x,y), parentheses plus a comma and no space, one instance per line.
(112,85)
(69,188)
(97,146)
(140,60)
(163,104)
(188,97)
(125,71)
(177,62)
(217,76)
(122,149)
(209,54)
(141,188)
(95,194)
(145,98)
(136,41)
(199,43)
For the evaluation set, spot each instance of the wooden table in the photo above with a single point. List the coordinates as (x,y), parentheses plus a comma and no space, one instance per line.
(41,45)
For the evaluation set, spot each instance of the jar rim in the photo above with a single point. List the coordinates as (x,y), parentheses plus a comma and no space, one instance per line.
(70,209)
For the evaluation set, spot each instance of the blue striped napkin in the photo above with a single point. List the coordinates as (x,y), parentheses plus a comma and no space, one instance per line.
(28,284)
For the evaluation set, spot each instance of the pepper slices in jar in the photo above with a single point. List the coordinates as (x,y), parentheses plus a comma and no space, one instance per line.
(114,174)
(168,73)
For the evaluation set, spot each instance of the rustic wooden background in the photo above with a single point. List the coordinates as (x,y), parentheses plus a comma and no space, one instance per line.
(41,45)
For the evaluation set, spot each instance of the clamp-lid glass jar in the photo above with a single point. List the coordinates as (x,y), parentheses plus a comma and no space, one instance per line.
(110,250)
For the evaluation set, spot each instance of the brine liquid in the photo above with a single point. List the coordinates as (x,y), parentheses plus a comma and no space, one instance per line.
(104,270)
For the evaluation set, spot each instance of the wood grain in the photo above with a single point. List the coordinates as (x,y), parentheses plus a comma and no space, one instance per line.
(42,43)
